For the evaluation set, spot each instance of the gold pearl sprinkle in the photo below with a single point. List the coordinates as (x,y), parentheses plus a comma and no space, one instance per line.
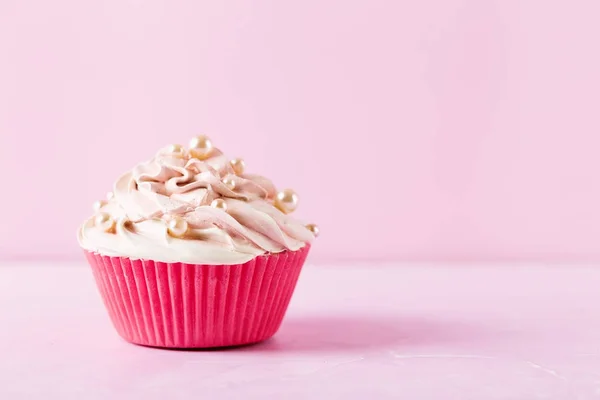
(286,201)
(313,228)
(229,182)
(104,222)
(177,227)
(201,147)
(238,166)
(219,203)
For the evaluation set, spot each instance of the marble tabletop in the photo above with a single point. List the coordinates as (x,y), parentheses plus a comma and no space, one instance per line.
(367,331)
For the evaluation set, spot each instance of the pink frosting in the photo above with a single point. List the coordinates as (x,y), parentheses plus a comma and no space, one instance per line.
(178,185)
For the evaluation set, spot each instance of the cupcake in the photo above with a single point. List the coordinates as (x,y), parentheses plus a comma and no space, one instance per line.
(191,251)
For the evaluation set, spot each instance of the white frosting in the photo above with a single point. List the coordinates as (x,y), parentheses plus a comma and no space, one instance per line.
(176,185)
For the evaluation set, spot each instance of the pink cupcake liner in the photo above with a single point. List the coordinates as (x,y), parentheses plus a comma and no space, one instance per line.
(180,305)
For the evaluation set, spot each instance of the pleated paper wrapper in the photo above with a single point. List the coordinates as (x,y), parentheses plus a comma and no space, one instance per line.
(179,305)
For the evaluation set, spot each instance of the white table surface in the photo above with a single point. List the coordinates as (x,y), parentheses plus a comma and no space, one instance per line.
(365,332)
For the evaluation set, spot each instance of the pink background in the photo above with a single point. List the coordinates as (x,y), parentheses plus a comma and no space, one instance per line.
(429,130)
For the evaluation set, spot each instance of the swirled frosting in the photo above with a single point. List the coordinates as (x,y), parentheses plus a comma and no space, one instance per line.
(176,185)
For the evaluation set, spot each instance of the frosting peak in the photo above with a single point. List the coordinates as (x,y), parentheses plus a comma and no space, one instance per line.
(194,206)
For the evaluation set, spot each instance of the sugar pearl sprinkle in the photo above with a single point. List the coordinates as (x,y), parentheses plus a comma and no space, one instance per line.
(177,227)
(201,148)
(105,222)
(219,203)
(177,150)
(229,182)
(313,228)
(238,165)
(98,205)
(286,201)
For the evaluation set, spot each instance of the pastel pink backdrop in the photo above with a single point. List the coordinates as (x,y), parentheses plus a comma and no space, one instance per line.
(419,130)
